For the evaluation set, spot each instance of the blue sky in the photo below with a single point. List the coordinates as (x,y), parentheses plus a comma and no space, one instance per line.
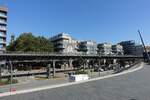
(99,20)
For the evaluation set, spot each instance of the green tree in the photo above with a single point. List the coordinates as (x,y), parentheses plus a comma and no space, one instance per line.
(27,42)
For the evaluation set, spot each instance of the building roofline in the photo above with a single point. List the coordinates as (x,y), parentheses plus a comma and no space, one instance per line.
(2,8)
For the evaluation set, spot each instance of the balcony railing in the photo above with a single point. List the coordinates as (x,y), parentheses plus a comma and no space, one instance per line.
(3,15)
(3,22)
(2,42)
(3,28)
(1,35)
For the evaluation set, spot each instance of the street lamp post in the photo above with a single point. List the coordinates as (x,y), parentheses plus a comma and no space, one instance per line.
(11,75)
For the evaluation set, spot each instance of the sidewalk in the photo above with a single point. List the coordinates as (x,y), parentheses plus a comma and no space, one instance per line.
(33,84)
(48,82)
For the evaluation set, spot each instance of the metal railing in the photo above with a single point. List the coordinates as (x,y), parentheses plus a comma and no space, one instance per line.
(3,15)
(63,54)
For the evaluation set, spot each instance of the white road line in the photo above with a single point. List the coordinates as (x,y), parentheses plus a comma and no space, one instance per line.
(68,84)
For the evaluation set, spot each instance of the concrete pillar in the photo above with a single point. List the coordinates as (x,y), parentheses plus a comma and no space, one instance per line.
(2,63)
(99,63)
(54,62)
(48,70)
(0,72)
(99,66)
(104,61)
(70,63)
(117,67)
(114,61)
(30,67)
(65,65)
(87,63)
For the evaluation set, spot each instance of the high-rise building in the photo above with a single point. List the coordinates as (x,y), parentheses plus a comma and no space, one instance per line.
(3,28)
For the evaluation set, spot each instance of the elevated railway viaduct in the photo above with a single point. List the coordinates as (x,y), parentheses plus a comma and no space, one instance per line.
(50,59)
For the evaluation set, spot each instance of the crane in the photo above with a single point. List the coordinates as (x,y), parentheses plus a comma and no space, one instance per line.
(148,57)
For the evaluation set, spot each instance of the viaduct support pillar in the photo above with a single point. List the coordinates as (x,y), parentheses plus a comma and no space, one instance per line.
(0,72)
(104,61)
(99,67)
(48,70)
(54,62)
(114,61)
(87,64)
(70,63)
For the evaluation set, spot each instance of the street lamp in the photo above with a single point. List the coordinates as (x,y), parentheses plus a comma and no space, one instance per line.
(11,75)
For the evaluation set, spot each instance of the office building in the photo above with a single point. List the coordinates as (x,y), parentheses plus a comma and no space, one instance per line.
(3,28)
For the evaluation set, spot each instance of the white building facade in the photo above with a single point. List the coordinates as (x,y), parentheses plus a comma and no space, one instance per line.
(63,43)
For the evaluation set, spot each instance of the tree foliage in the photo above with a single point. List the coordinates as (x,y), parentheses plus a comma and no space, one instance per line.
(27,42)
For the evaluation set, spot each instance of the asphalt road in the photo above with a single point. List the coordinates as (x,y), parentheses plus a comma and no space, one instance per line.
(131,86)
